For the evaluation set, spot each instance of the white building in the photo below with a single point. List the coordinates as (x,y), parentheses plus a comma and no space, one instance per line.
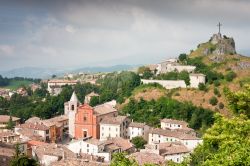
(172,65)
(48,153)
(171,151)
(196,79)
(138,129)
(27,130)
(55,86)
(161,136)
(114,127)
(99,148)
(168,84)
(70,109)
(173,124)
(90,146)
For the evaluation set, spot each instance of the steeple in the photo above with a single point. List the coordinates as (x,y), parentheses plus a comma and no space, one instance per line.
(74,97)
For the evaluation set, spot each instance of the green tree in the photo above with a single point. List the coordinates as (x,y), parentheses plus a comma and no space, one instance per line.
(230,76)
(202,87)
(10,124)
(95,100)
(139,142)
(213,100)
(239,101)
(182,57)
(21,159)
(119,159)
(217,92)
(145,72)
(226,143)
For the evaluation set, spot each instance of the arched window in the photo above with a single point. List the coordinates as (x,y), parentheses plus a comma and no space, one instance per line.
(72,107)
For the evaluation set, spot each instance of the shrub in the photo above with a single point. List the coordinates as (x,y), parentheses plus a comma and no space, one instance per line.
(230,76)
(177,94)
(213,100)
(217,92)
(216,83)
(139,142)
(202,87)
(221,105)
(182,57)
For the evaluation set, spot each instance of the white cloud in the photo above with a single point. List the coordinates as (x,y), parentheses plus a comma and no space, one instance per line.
(70,29)
(118,33)
(6,50)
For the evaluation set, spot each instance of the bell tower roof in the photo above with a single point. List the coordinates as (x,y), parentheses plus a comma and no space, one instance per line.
(74,97)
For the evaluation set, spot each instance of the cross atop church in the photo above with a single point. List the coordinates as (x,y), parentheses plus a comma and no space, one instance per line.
(219,25)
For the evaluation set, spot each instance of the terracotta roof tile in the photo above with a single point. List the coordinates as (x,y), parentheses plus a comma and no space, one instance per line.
(114,120)
(146,157)
(137,125)
(35,126)
(170,148)
(5,118)
(174,133)
(104,109)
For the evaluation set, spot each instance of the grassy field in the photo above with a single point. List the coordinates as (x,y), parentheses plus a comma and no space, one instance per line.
(15,84)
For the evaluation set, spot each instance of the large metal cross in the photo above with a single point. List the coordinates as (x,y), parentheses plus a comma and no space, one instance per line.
(219,25)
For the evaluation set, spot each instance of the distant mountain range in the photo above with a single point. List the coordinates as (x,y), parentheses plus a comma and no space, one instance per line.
(35,72)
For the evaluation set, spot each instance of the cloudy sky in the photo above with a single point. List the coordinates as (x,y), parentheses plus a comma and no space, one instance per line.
(83,33)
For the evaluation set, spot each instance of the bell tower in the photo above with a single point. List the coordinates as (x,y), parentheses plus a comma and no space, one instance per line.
(70,109)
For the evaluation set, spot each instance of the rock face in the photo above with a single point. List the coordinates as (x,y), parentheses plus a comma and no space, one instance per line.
(223,45)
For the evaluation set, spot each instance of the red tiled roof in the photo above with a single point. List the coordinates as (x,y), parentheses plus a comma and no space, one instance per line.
(169,148)
(35,126)
(113,120)
(174,133)
(5,118)
(35,143)
(146,157)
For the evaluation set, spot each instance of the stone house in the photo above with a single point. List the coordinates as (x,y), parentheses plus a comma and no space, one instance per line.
(114,127)
(158,135)
(4,119)
(136,129)
(172,151)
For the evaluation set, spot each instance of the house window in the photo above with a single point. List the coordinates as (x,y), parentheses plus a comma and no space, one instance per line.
(177,159)
(116,129)
(179,125)
(102,128)
(87,150)
(109,128)
(87,145)
(72,107)
(47,132)
(85,118)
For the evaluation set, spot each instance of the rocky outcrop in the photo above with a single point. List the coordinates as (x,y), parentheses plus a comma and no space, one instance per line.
(223,45)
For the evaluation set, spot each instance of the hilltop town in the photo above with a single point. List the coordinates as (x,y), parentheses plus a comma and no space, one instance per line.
(156,115)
